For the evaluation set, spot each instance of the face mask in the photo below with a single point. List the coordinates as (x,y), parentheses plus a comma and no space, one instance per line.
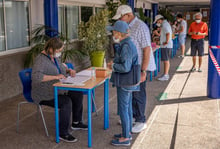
(178,20)
(57,54)
(158,24)
(198,21)
(115,40)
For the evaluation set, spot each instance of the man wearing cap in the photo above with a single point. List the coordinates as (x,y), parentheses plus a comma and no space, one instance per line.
(126,57)
(198,30)
(139,32)
(166,44)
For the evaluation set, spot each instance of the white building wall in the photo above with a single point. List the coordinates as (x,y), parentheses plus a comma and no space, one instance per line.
(143,4)
(37,12)
(84,2)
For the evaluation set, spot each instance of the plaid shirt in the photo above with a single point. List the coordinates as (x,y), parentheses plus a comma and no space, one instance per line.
(140,34)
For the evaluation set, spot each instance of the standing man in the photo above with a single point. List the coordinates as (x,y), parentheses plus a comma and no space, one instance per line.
(166,44)
(140,34)
(182,33)
(198,30)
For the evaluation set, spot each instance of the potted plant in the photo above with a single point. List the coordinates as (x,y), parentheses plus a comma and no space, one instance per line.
(94,37)
(38,40)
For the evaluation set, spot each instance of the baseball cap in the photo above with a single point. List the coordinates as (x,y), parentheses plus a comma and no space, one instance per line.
(157,17)
(119,26)
(122,10)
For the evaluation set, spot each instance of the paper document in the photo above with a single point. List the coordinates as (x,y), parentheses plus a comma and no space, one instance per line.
(84,73)
(78,80)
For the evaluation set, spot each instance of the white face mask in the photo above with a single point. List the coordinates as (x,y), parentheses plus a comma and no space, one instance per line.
(158,24)
(115,40)
(57,54)
(198,21)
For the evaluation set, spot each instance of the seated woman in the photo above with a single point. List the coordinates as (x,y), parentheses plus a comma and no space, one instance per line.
(47,70)
(125,57)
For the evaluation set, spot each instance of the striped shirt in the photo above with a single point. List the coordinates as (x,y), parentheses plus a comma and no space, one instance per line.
(140,34)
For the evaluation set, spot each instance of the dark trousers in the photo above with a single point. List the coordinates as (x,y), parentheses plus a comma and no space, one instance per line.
(67,103)
(139,103)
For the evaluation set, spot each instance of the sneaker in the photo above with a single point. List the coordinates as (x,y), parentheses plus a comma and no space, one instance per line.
(193,69)
(117,143)
(138,127)
(164,78)
(79,126)
(117,136)
(199,70)
(181,56)
(68,138)
(133,121)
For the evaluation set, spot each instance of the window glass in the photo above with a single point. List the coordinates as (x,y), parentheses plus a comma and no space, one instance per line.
(61,19)
(2,31)
(97,9)
(86,12)
(72,19)
(17,24)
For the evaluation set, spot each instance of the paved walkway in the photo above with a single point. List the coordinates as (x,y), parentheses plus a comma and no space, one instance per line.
(179,116)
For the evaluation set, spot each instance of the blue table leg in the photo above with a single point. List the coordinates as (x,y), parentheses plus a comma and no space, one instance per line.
(93,100)
(151,76)
(159,60)
(156,61)
(106,107)
(89,118)
(56,113)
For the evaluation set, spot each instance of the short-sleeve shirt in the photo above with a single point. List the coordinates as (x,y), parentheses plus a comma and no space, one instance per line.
(140,35)
(184,25)
(166,28)
(198,27)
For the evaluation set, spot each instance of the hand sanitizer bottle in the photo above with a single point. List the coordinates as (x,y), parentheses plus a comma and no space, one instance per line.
(104,64)
(93,75)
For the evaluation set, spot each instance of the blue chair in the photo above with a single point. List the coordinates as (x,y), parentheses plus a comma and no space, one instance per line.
(70,66)
(25,76)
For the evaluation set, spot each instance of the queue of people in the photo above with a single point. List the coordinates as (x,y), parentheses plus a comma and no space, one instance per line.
(132,46)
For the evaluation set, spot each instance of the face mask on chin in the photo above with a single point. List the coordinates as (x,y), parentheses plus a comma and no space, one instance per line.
(115,40)
(198,21)
(57,55)
(178,20)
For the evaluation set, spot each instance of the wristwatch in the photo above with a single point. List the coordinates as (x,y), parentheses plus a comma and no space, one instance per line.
(143,71)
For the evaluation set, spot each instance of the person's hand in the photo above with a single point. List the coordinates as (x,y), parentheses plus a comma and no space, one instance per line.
(72,72)
(109,65)
(60,76)
(165,43)
(143,76)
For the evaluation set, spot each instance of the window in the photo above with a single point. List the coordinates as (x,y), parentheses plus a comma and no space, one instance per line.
(86,12)
(2,32)
(17,24)
(69,20)
(97,9)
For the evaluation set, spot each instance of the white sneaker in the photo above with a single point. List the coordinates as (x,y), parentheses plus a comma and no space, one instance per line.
(133,121)
(138,127)
(164,78)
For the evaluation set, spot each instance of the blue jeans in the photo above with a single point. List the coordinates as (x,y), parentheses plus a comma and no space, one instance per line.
(139,103)
(125,110)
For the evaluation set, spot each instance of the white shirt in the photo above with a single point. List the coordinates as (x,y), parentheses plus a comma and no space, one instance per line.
(184,25)
(140,35)
(166,28)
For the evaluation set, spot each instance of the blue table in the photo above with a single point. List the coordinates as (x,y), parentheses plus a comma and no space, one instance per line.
(88,88)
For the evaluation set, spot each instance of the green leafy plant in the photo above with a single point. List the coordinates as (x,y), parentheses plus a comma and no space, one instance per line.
(143,17)
(38,40)
(93,33)
(167,14)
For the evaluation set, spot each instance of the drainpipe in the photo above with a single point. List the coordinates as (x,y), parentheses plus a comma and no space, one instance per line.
(155,11)
(51,16)
(213,88)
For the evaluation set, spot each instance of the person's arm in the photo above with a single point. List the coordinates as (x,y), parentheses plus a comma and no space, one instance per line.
(167,39)
(205,32)
(51,77)
(191,32)
(181,29)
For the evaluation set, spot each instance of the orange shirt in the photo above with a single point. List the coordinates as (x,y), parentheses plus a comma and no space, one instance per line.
(201,27)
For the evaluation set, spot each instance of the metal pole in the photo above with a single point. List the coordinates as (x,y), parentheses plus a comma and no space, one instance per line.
(213,88)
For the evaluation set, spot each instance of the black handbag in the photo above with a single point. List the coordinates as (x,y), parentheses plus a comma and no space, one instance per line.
(131,78)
